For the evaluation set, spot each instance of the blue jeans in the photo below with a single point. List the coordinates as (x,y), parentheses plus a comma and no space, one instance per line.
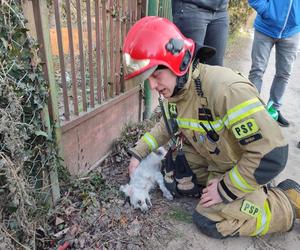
(204,27)
(286,52)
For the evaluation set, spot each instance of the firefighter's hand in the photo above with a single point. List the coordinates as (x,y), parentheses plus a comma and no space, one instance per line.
(210,195)
(133,164)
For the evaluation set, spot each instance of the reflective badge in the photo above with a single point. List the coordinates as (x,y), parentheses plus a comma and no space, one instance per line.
(245,129)
(250,208)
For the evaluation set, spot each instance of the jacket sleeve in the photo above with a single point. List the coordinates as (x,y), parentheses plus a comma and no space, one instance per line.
(260,6)
(264,150)
(150,141)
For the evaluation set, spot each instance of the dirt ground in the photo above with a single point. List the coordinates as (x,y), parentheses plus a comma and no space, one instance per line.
(93,214)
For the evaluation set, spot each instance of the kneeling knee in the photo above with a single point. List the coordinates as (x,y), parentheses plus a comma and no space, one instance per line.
(206,226)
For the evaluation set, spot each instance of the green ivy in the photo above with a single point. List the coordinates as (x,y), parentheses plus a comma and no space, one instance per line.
(25,149)
(239,11)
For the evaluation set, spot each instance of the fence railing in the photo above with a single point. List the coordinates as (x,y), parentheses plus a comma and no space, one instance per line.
(86,40)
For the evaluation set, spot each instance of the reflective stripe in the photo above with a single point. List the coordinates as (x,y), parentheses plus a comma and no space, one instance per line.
(194,124)
(238,181)
(263,220)
(235,114)
(242,110)
(150,140)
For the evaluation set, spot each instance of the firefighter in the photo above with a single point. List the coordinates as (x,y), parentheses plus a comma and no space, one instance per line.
(225,138)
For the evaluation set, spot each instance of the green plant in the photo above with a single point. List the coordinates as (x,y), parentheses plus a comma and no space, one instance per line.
(180,215)
(239,11)
(27,152)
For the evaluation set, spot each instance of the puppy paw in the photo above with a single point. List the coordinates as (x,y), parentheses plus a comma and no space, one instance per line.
(168,196)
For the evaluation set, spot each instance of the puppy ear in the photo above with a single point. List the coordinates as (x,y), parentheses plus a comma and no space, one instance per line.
(126,189)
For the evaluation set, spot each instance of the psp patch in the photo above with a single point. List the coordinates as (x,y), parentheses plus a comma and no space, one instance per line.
(250,208)
(245,129)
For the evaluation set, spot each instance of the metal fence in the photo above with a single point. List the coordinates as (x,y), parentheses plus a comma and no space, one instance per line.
(86,40)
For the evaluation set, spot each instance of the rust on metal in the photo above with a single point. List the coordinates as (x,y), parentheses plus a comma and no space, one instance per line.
(72,58)
(104,33)
(118,48)
(98,51)
(81,56)
(90,52)
(61,60)
(111,48)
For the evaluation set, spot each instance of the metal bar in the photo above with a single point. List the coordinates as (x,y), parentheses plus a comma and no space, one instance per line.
(98,50)
(134,3)
(123,34)
(81,56)
(123,26)
(61,60)
(153,7)
(72,57)
(139,9)
(90,49)
(118,47)
(114,101)
(152,11)
(128,14)
(104,32)
(111,48)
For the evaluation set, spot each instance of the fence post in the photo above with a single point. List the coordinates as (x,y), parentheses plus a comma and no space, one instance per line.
(152,11)
(41,14)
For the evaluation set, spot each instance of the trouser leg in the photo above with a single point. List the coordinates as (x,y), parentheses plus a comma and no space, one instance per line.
(216,36)
(286,52)
(205,27)
(197,163)
(192,21)
(261,49)
(256,214)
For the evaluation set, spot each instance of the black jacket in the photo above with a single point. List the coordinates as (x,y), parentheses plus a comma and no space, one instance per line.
(215,5)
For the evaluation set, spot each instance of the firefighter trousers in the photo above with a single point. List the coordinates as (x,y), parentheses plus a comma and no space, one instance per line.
(265,210)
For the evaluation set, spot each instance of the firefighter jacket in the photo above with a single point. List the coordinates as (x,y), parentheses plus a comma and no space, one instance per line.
(249,149)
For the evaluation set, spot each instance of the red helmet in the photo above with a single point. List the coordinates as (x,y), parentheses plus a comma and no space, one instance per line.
(154,41)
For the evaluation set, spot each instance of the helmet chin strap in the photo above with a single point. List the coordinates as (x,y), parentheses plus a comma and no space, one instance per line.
(180,82)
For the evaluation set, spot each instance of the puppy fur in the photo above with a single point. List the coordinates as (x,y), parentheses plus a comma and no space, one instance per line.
(144,179)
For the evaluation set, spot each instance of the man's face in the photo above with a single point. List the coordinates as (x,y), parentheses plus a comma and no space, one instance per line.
(164,81)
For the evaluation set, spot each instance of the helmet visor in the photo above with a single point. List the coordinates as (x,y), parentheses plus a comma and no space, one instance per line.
(140,78)
(133,66)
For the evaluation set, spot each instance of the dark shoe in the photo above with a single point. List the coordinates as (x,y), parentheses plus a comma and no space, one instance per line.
(292,191)
(282,121)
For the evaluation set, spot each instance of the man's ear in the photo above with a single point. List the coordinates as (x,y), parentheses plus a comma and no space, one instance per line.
(126,189)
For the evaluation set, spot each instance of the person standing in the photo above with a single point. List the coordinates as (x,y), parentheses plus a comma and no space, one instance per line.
(277,24)
(204,21)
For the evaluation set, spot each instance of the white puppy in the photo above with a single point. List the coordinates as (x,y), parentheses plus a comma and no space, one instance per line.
(144,179)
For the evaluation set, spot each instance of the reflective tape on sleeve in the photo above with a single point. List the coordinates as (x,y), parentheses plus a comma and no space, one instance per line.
(150,140)
(238,181)
(242,111)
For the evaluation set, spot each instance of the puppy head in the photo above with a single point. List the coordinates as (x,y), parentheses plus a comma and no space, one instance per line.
(139,198)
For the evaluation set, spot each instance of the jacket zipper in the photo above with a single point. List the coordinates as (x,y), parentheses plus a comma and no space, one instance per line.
(286,19)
